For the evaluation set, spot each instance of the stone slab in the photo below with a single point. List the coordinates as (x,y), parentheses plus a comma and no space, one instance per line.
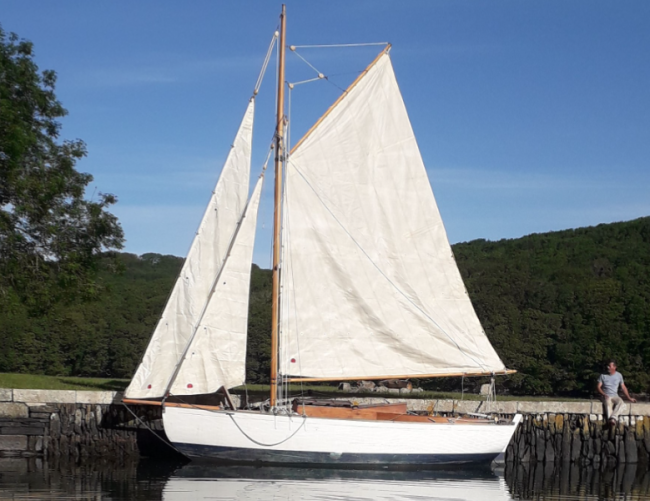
(46,396)
(96,397)
(35,429)
(639,409)
(554,407)
(14,465)
(465,406)
(6,394)
(13,443)
(13,410)
(505,407)
(443,405)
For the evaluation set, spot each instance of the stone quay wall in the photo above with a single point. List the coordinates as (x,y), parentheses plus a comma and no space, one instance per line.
(75,425)
(78,424)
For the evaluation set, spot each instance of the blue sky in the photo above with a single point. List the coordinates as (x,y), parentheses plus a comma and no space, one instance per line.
(531,116)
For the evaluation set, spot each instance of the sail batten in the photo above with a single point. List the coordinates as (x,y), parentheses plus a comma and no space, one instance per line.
(203,263)
(370,285)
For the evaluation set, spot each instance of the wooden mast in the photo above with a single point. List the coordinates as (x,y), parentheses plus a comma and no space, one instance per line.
(277,217)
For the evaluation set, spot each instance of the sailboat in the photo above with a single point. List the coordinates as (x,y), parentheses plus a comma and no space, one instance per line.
(365,287)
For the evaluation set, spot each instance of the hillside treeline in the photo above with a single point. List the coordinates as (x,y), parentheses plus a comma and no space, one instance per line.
(555,306)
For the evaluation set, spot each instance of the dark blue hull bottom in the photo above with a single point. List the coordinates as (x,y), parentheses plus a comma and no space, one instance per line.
(298,458)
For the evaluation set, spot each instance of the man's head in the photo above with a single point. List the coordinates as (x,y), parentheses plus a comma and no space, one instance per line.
(611,366)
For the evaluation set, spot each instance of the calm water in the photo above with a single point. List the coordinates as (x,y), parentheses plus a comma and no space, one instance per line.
(148,480)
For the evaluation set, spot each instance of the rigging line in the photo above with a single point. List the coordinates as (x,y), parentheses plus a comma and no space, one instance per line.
(320,74)
(308,63)
(231,416)
(266,62)
(166,442)
(482,365)
(293,47)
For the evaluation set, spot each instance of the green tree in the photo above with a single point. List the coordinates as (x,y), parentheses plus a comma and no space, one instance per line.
(51,237)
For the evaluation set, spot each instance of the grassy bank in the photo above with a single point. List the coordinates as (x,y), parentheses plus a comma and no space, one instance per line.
(38,382)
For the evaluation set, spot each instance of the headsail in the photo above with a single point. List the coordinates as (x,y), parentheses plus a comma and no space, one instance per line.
(369,283)
(217,355)
(204,260)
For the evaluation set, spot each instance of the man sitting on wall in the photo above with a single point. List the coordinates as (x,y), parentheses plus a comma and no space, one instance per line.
(608,385)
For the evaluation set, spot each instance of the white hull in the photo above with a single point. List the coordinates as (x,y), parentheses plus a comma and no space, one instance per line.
(255,437)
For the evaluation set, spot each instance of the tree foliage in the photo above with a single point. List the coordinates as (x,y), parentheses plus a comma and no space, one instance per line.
(51,236)
(554,305)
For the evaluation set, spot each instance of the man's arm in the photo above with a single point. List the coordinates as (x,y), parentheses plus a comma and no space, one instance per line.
(627,395)
(600,390)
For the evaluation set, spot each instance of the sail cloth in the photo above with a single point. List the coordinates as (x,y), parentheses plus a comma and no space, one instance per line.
(203,262)
(369,283)
(217,354)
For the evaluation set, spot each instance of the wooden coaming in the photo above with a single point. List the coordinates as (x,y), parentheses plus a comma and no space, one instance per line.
(360,412)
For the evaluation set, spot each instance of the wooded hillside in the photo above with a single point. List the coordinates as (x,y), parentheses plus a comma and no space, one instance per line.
(555,305)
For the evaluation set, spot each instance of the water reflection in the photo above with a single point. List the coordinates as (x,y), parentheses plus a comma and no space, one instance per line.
(250,483)
(571,481)
(147,480)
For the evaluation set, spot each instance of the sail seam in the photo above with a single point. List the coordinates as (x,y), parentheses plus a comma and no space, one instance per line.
(482,365)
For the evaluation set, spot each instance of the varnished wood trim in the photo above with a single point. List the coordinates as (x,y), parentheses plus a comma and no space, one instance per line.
(132,401)
(331,108)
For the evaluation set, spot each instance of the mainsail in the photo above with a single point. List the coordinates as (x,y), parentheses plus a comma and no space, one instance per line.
(203,263)
(370,286)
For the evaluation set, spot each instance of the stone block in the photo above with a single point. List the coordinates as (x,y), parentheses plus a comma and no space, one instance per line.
(630,447)
(35,444)
(97,397)
(14,465)
(13,410)
(504,407)
(13,443)
(444,405)
(555,407)
(24,429)
(418,405)
(465,406)
(640,409)
(45,396)
(6,394)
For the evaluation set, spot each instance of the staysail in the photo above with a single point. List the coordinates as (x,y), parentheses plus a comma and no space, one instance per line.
(370,286)
(204,261)
(217,354)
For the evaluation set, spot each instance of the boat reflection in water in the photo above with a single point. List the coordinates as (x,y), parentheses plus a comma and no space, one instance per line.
(149,480)
(198,482)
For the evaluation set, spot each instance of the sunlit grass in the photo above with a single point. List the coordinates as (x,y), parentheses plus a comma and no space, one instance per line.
(39,382)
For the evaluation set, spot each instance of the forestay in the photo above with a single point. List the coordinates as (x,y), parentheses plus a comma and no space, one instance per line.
(204,261)
(369,283)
